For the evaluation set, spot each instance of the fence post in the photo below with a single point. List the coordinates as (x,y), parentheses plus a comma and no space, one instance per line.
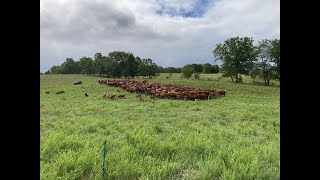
(104,159)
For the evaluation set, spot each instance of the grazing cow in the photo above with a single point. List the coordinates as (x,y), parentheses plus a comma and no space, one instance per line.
(59,92)
(111,96)
(222,92)
(86,94)
(47,92)
(122,96)
(164,91)
(78,82)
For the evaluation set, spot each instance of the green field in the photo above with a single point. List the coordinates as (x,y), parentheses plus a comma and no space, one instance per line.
(232,137)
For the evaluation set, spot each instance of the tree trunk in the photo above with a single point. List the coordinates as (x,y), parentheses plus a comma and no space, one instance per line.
(237,80)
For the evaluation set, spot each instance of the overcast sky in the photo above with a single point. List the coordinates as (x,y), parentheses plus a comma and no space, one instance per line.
(170,32)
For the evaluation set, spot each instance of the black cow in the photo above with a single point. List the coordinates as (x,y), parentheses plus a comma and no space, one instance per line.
(78,82)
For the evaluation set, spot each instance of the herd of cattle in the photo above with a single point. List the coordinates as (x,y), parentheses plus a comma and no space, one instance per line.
(165,90)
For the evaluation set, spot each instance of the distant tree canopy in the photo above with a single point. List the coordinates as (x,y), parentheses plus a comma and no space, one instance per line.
(147,68)
(208,68)
(172,70)
(187,71)
(122,64)
(238,54)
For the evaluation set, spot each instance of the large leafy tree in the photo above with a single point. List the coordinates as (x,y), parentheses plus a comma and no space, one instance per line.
(207,68)
(70,67)
(237,54)
(117,59)
(98,64)
(86,65)
(55,70)
(265,61)
(187,71)
(130,66)
(147,68)
(198,68)
(215,68)
(274,53)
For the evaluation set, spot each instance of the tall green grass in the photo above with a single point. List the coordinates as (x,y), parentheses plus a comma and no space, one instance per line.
(231,137)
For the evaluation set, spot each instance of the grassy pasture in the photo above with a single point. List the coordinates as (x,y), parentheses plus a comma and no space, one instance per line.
(231,137)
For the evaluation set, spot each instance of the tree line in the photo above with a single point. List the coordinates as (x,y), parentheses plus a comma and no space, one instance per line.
(238,54)
(122,64)
(241,57)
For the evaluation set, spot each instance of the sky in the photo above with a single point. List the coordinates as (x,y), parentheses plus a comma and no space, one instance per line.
(170,32)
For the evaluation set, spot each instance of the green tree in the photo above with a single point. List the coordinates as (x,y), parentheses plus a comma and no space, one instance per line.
(98,64)
(215,68)
(55,70)
(274,54)
(86,65)
(160,69)
(147,68)
(197,68)
(264,63)
(130,66)
(69,67)
(187,71)
(172,70)
(238,55)
(118,59)
(207,68)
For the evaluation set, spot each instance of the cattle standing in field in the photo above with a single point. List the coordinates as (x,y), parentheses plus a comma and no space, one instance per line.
(111,96)
(47,92)
(122,96)
(221,92)
(59,92)
(78,82)
(164,90)
(86,94)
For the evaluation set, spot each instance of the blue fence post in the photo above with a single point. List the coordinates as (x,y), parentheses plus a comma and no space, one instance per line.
(104,159)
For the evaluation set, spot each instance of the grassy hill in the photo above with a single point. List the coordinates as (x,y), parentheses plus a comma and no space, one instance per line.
(231,137)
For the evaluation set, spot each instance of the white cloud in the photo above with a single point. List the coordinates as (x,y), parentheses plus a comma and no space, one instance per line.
(76,28)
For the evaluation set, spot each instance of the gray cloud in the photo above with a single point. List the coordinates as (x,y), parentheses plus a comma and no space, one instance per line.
(76,28)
